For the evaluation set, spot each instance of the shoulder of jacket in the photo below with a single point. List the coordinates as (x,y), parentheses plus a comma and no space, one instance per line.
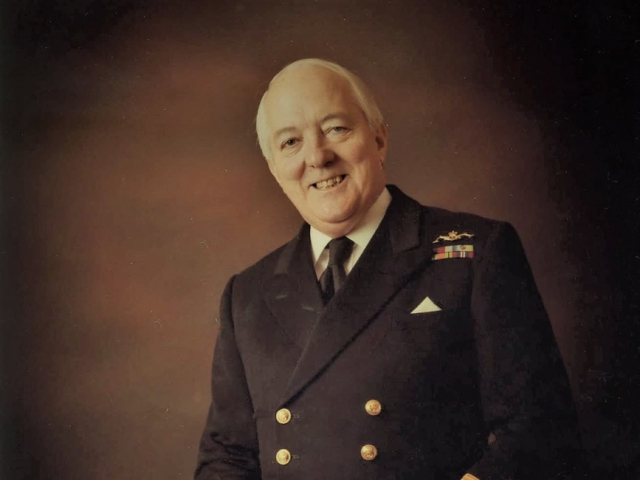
(460,222)
(265,264)
(441,218)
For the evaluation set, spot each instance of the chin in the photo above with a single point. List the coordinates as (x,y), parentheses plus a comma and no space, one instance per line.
(333,218)
(333,225)
(338,210)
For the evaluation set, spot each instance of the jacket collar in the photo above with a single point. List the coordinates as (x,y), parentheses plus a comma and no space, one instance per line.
(293,294)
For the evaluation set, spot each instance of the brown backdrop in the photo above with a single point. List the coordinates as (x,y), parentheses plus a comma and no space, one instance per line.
(133,189)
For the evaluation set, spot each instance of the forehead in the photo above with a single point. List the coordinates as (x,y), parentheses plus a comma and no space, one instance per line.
(306,94)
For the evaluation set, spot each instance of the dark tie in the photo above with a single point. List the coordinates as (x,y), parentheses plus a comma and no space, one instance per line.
(334,276)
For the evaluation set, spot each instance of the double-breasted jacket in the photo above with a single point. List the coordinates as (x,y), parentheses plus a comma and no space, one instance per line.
(372,387)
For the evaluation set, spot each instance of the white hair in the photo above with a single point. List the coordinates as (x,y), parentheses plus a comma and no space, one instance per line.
(361,92)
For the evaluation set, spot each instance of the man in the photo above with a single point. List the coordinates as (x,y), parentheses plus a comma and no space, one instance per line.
(415,348)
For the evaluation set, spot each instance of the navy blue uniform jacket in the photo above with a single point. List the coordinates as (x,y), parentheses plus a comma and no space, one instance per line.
(478,386)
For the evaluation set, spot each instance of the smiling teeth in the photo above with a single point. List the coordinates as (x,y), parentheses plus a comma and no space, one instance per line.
(332,182)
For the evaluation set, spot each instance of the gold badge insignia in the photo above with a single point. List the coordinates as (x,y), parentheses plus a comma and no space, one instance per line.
(452,236)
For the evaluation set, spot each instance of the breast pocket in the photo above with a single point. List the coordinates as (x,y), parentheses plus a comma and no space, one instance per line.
(438,332)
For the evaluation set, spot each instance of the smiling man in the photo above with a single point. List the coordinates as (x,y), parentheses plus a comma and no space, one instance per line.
(322,150)
(387,340)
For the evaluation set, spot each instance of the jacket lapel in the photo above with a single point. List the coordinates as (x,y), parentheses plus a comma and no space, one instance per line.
(292,295)
(387,264)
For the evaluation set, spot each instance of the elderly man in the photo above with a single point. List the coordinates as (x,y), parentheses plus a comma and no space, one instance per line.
(387,340)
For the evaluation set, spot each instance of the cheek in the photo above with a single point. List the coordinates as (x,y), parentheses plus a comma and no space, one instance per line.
(366,161)
(363,153)
(286,170)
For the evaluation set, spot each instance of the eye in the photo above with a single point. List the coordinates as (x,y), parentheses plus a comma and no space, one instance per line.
(336,131)
(290,142)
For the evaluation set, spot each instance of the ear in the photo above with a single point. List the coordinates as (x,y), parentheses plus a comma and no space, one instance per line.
(381,139)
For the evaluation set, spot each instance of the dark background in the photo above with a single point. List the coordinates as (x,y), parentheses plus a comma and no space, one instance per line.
(133,187)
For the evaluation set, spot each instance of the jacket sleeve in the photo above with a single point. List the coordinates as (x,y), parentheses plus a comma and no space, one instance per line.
(525,393)
(229,446)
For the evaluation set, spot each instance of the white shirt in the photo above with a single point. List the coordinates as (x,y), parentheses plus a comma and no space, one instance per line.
(360,236)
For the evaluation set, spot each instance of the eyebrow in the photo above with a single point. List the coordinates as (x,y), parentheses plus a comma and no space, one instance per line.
(326,118)
(283,131)
(334,116)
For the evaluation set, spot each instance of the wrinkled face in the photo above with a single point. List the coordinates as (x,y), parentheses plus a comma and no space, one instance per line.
(324,154)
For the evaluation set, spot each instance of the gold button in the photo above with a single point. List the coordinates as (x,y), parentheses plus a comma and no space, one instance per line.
(369,452)
(283,456)
(283,416)
(373,407)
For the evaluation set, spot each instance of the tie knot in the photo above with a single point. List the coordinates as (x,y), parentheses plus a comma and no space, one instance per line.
(339,250)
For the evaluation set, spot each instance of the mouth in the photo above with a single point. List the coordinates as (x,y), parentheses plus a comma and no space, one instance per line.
(329,183)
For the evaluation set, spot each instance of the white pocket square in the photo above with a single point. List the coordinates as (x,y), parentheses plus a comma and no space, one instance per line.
(426,306)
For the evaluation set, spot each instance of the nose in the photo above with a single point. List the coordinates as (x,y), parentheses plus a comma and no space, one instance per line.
(319,154)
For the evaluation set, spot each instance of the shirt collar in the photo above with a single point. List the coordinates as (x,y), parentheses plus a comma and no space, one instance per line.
(361,234)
